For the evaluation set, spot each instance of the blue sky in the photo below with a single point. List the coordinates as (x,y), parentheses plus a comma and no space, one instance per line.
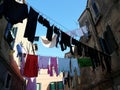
(62,13)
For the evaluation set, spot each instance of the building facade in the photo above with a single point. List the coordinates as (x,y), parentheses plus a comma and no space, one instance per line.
(102,20)
(10,78)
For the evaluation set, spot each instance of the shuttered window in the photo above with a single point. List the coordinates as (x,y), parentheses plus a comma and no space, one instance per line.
(94,6)
(10,34)
(110,40)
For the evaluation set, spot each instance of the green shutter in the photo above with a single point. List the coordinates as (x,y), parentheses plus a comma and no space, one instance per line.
(52,86)
(60,85)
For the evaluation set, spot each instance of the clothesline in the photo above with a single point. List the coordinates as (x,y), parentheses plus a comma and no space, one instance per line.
(23,9)
(48,17)
(67,41)
(41,14)
(31,64)
(80,42)
(63,39)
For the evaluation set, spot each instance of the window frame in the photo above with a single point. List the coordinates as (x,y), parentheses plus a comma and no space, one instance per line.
(9,83)
(110,40)
(14,32)
(96,12)
(38,84)
(10,31)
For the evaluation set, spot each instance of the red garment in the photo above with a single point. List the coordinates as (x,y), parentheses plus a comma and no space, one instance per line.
(31,66)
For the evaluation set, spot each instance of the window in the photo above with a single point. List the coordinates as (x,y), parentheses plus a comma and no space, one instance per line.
(38,86)
(10,34)
(8,81)
(13,34)
(53,86)
(96,13)
(60,85)
(9,26)
(110,40)
(56,85)
(86,32)
(95,8)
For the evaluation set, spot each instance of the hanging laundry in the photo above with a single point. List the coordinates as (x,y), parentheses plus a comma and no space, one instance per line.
(75,42)
(31,84)
(46,23)
(49,32)
(85,31)
(84,62)
(41,19)
(79,49)
(57,32)
(53,64)
(74,66)
(74,33)
(93,54)
(15,12)
(31,25)
(63,65)
(31,66)
(66,79)
(22,54)
(65,41)
(36,38)
(47,43)
(85,50)
(43,62)
(20,50)
(22,63)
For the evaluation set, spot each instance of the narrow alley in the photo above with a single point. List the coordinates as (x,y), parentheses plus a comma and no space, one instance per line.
(91,53)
